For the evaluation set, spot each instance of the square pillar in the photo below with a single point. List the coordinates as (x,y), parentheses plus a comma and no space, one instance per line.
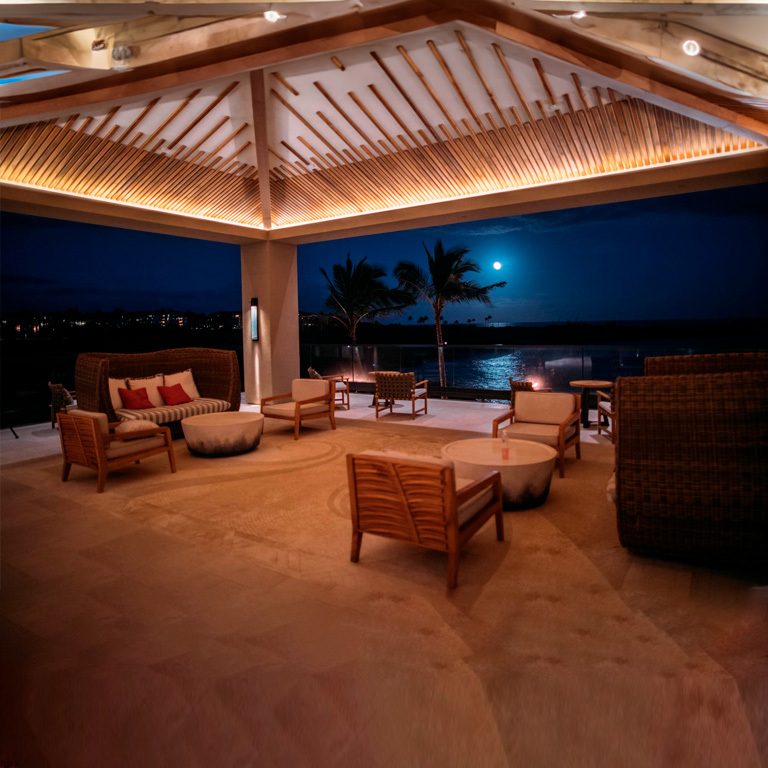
(268,273)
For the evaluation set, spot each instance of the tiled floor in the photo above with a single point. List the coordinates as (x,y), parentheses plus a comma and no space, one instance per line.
(40,440)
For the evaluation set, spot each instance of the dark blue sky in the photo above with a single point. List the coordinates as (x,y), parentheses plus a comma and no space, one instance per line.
(688,256)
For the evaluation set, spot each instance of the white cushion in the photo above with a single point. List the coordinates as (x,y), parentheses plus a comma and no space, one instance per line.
(170,413)
(126,448)
(340,386)
(135,426)
(419,392)
(289,409)
(474,504)
(304,389)
(151,383)
(544,407)
(187,381)
(114,395)
(541,433)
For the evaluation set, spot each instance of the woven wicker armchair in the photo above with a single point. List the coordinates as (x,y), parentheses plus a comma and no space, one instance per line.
(415,499)
(691,458)
(89,440)
(399,386)
(727,362)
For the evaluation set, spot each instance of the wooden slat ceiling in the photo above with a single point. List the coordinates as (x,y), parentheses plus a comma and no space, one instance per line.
(440,114)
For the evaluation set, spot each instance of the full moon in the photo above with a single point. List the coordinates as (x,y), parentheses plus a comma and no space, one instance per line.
(497,265)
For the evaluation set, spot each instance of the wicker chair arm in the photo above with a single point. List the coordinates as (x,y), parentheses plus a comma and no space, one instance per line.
(499,420)
(493,478)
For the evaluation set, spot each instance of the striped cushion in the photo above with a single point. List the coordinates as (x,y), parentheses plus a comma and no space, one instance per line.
(168,413)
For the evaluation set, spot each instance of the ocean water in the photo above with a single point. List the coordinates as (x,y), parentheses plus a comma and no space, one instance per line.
(491,367)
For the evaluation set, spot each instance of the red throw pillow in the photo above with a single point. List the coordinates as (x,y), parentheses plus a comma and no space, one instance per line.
(174,395)
(135,399)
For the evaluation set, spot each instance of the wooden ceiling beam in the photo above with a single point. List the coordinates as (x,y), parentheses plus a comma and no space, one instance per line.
(708,173)
(36,202)
(261,137)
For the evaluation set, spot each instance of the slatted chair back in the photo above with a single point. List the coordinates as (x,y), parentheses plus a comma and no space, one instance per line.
(82,439)
(407,500)
(414,499)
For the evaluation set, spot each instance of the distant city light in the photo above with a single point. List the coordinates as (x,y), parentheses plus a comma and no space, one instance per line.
(497,265)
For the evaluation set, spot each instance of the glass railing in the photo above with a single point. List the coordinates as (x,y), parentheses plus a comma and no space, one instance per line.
(490,366)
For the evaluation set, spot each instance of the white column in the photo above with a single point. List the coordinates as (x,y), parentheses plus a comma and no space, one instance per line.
(268,273)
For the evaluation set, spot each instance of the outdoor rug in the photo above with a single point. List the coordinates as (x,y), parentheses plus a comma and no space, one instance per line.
(212,618)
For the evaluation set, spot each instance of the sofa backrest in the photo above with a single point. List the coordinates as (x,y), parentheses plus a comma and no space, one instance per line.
(544,407)
(216,373)
(727,362)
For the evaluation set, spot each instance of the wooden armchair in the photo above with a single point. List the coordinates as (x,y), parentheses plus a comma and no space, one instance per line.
(415,499)
(88,439)
(399,386)
(551,418)
(340,386)
(308,399)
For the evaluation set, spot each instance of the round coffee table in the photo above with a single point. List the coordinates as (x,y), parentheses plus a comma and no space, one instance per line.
(222,434)
(586,385)
(525,475)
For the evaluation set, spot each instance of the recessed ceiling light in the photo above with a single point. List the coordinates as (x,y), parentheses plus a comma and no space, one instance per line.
(691,48)
(273,16)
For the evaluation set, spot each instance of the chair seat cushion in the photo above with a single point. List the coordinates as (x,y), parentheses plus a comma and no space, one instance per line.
(340,386)
(289,409)
(168,413)
(473,505)
(126,448)
(542,433)
(419,392)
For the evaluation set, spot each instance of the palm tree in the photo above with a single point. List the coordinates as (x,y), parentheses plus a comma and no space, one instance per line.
(443,283)
(357,292)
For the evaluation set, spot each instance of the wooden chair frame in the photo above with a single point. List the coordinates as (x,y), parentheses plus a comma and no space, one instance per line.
(340,396)
(82,443)
(562,444)
(297,417)
(399,386)
(417,502)
(605,411)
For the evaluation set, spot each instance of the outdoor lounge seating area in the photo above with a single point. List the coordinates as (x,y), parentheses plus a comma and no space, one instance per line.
(229,585)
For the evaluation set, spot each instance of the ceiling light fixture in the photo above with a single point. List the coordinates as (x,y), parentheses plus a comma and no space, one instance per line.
(273,16)
(691,48)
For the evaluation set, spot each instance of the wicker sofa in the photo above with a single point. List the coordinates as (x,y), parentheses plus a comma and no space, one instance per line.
(216,373)
(692,465)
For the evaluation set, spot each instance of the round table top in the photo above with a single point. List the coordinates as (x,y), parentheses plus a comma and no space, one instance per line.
(591,383)
(225,418)
(486,452)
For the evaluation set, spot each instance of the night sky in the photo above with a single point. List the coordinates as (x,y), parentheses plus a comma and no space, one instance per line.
(701,255)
